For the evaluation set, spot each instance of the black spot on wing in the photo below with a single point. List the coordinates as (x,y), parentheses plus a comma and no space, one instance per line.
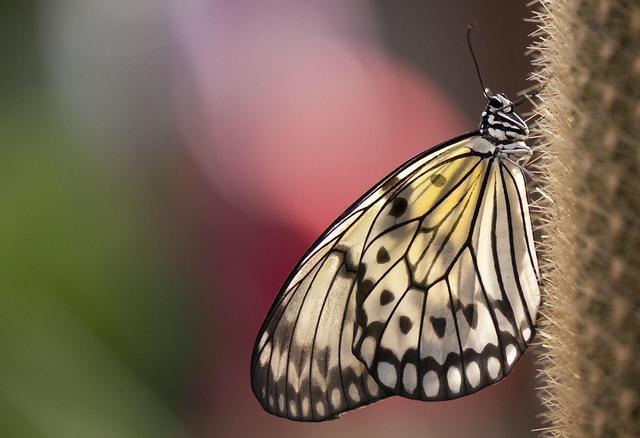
(375,329)
(389,183)
(439,325)
(438,180)
(383,255)
(469,312)
(362,270)
(386,297)
(405,324)
(398,207)
(363,290)
(322,359)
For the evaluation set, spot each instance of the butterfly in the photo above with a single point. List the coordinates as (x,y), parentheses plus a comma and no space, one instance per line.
(427,287)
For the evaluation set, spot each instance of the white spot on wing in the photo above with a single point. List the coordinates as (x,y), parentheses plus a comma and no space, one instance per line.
(335,397)
(473,373)
(264,356)
(320,408)
(353,392)
(387,374)
(454,379)
(431,383)
(493,366)
(409,377)
(305,406)
(511,353)
(372,386)
(263,339)
(293,409)
(368,349)
(293,378)
(275,357)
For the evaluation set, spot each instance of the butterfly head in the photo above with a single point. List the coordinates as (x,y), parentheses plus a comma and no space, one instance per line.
(500,123)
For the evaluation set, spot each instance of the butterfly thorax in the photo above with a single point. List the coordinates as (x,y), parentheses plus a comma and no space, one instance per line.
(501,125)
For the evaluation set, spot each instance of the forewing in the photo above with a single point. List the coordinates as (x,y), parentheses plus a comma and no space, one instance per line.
(447,290)
(303,367)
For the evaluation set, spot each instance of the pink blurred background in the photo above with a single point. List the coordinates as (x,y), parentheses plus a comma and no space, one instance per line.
(187,153)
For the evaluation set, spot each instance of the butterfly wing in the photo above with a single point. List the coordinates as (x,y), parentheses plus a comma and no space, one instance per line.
(447,291)
(303,367)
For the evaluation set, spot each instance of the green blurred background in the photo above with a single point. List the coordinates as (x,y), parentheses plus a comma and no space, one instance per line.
(141,241)
(96,317)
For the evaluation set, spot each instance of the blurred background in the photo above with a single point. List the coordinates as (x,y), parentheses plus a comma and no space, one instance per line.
(164,165)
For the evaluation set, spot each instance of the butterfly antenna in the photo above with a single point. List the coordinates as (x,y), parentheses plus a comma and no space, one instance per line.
(475,61)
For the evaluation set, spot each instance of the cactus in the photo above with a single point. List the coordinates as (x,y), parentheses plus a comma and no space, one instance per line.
(588,59)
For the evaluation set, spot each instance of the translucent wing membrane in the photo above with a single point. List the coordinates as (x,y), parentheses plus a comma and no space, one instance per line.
(303,367)
(447,286)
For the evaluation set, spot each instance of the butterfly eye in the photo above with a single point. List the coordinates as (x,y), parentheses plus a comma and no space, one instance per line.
(495,103)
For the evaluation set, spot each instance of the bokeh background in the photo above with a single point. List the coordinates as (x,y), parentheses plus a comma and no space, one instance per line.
(165,163)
